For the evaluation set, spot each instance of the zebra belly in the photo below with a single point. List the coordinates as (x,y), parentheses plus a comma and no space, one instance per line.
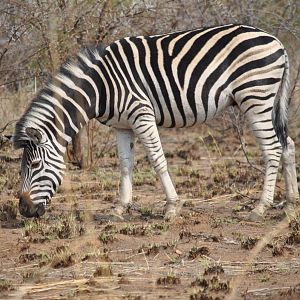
(193,110)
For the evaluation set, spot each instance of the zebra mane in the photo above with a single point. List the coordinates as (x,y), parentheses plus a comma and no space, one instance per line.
(20,138)
(90,52)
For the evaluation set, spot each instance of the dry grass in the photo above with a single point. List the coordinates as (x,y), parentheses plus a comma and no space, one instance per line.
(168,280)
(6,285)
(63,258)
(103,271)
(8,210)
(63,226)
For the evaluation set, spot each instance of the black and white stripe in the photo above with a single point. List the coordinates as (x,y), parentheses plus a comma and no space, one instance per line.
(172,80)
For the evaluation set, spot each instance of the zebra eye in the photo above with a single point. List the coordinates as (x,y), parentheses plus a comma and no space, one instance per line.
(35,164)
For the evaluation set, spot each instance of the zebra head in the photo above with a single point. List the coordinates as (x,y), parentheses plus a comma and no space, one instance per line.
(41,171)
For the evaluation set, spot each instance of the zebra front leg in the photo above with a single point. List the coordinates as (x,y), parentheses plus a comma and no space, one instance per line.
(290,176)
(147,133)
(125,146)
(172,198)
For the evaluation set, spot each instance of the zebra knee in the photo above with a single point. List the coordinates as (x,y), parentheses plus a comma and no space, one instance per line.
(289,153)
(290,145)
(126,165)
(289,169)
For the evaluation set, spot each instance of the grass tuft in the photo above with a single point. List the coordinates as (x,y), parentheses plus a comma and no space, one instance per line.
(63,258)
(168,280)
(6,285)
(8,211)
(103,271)
(198,251)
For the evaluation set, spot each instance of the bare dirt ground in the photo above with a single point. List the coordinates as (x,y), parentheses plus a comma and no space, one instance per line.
(77,251)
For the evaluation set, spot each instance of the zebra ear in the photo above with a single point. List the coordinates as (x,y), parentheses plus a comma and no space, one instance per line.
(34,135)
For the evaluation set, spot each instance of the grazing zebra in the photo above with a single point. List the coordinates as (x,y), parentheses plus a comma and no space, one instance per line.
(171,80)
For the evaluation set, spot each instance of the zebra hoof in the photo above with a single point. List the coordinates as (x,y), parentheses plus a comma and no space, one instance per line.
(115,217)
(255,217)
(117,213)
(290,212)
(170,215)
(172,210)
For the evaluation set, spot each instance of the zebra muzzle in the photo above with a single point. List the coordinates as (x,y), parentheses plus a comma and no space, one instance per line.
(29,209)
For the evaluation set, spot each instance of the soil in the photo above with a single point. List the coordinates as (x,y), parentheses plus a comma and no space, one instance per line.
(210,251)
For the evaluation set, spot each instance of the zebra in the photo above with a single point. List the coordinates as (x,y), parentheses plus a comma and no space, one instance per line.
(137,84)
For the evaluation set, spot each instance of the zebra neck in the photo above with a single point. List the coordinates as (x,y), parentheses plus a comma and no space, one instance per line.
(70,101)
(61,116)
(77,94)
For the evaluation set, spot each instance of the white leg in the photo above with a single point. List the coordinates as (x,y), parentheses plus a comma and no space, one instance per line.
(147,133)
(125,146)
(171,195)
(290,176)
(263,130)
(267,196)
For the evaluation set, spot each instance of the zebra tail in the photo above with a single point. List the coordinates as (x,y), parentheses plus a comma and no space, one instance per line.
(280,109)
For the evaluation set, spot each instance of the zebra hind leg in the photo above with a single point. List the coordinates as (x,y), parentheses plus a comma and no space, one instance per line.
(289,170)
(148,135)
(262,127)
(125,145)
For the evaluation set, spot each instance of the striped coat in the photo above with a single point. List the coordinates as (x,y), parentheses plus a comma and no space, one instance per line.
(171,80)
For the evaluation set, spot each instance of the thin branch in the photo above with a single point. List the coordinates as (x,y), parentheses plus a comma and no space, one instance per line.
(6,125)
(20,79)
(236,125)
(245,152)
(3,138)
(293,93)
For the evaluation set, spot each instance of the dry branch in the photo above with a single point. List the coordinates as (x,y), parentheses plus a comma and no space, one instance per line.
(4,139)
